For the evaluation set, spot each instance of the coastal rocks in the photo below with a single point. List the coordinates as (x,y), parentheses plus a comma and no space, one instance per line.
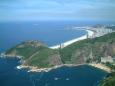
(3,55)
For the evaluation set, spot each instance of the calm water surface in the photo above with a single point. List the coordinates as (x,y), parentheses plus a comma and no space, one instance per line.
(64,76)
(51,33)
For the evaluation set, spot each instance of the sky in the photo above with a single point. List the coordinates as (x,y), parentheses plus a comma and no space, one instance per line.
(21,10)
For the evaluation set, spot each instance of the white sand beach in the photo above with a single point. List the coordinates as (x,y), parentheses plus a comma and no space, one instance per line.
(89,34)
(101,66)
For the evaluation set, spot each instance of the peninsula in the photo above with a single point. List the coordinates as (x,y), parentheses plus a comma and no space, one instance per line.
(38,57)
(97,50)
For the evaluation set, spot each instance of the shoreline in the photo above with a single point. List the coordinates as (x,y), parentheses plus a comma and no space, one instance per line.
(36,69)
(89,34)
(101,66)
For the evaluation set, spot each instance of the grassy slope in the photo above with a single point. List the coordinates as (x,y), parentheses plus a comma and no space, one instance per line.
(42,58)
(35,53)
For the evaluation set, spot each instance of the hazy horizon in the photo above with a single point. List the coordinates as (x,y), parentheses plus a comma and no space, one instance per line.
(36,10)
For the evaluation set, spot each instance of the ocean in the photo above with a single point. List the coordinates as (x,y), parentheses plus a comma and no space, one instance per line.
(65,76)
(51,33)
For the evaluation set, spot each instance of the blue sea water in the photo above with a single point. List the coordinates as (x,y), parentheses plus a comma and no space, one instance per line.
(51,33)
(65,76)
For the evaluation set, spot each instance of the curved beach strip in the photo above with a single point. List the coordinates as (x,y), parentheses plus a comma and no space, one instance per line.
(101,66)
(89,34)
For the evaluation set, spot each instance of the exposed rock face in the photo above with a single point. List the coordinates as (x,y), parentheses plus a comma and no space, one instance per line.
(55,60)
(90,49)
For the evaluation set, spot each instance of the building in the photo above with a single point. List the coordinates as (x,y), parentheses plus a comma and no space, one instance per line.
(107,59)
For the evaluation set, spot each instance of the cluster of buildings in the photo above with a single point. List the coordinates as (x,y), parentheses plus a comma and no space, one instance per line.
(100,31)
(107,59)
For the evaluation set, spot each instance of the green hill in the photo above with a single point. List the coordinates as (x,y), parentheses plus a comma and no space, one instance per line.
(35,53)
(89,49)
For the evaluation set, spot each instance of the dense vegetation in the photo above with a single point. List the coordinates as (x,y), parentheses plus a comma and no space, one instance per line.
(109,81)
(37,54)
(89,49)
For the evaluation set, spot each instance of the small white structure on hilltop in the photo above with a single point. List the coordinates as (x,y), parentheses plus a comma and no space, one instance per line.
(62,45)
(107,59)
